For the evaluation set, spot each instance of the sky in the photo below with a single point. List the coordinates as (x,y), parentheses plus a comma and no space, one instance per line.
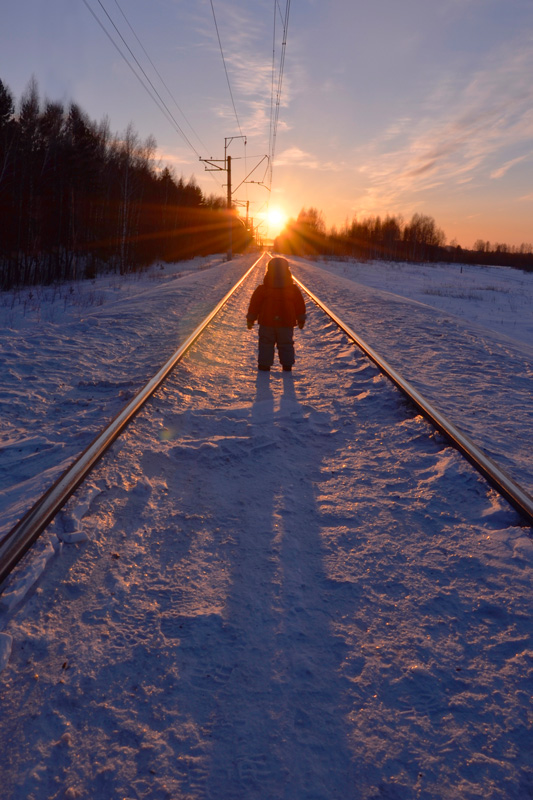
(385,107)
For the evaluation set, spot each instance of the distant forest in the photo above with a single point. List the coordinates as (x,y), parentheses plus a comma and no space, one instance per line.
(393,240)
(76,200)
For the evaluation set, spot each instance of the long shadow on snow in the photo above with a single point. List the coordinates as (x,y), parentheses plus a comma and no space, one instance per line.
(277,716)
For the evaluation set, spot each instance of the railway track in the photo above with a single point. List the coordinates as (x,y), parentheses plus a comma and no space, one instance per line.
(21,537)
(497,478)
(290,584)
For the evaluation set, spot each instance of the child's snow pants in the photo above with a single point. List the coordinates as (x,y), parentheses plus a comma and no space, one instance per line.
(283,338)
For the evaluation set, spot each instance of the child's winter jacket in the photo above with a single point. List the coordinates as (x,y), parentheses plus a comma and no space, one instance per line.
(277,302)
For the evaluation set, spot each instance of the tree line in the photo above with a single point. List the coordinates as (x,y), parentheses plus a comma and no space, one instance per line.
(392,239)
(76,200)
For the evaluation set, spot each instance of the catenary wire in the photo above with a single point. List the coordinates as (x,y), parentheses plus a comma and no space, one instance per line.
(275,106)
(280,82)
(161,105)
(148,78)
(272,93)
(160,76)
(225,68)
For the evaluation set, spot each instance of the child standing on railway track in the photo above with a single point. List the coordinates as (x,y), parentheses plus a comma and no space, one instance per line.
(278,306)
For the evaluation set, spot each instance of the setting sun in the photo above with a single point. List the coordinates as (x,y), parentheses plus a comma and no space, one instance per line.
(276,220)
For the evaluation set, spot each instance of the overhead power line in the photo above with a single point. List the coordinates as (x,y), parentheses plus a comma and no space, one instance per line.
(169,112)
(153,93)
(277,104)
(278,7)
(272,84)
(148,85)
(225,68)
(130,26)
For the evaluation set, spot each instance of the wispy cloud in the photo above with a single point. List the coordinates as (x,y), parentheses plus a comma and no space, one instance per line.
(501,171)
(247,48)
(173,158)
(453,143)
(295,157)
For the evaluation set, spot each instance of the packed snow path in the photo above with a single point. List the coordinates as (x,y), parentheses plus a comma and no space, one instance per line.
(291,588)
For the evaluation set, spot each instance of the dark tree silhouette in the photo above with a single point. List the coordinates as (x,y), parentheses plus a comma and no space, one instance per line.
(391,239)
(75,200)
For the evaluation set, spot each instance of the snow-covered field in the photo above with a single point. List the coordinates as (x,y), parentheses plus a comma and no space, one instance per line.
(280,586)
(73,356)
(462,335)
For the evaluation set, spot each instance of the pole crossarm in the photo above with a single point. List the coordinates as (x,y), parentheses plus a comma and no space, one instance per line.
(245,180)
(214,162)
(228,140)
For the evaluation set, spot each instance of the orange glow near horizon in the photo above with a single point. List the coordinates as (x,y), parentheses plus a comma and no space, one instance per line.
(275,219)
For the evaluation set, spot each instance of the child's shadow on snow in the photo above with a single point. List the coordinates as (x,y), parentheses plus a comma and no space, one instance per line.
(263,405)
(263,411)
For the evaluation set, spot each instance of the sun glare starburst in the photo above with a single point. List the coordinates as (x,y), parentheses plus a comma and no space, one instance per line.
(276,221)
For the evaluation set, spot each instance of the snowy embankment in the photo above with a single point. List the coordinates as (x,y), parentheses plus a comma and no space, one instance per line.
(73,356)
(462,335)
(290,586)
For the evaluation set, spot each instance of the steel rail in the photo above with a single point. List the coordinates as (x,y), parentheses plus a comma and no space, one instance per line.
(21,537)
(496,477)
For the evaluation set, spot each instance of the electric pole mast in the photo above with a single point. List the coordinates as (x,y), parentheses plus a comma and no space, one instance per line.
(214,166)
(230,245)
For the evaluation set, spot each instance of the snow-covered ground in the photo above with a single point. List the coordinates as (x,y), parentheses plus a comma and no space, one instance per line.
(73,356)
(462,335)
(284,586)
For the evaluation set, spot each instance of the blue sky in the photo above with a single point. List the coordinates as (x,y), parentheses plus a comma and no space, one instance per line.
(387,107)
